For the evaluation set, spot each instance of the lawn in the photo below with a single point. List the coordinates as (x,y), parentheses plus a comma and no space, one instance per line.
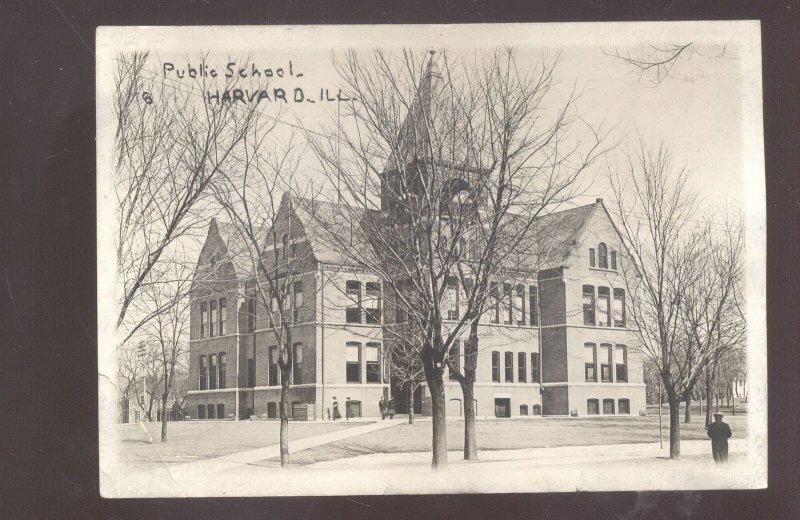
(197,440)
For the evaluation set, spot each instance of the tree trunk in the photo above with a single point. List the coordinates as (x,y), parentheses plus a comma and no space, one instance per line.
(709,393)
(410,403)
(439,411)
(687,415)
(164,417)
(733,398)
(284,406)
(470,439)
(700,402)
(728,397)
(674,428)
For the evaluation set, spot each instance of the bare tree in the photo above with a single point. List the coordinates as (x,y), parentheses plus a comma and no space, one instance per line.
(404,363)
(170,145)
(442,174)
(683,276)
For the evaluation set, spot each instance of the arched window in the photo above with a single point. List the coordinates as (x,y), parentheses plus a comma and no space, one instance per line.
(523,409)
(608,406)
(624,406)
(592,407)
(496,367)
(590,361)
(602,253)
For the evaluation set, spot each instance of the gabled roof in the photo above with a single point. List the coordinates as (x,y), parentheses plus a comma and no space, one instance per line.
(555,234)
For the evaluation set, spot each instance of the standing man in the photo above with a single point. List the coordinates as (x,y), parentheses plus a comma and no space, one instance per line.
(719,432)
(390,408)
(382,407)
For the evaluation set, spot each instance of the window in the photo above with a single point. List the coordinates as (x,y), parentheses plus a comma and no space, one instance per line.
(274,310)
(211,411)
(251,314)
(624,406)
(223,316)
(589,361)
(452,298)
(494,299)
(222,369)
(605,363)
(297,366)
(508,303)
(621,358)
(285,246)
(201,411)
(608,406)
(602,256)
(273,366)
(272,410)
(213,321)
(534,367)
(353,360)
(523,409)
(588,305)
(297,302)
(614,261)
(372,359)
(220,411)
(509,367)
(496,367)
(522,374)
(353,311)
(533,297)
(619,308)
(592,407)
(293,250)
(203,373)
(603,306)
(203,319)
(372,305)
(251,373)
(454,356)
(212,372)
(591,257)
(518,308)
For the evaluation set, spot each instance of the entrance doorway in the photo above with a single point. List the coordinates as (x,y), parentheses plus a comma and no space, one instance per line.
(353,409)
(502,407)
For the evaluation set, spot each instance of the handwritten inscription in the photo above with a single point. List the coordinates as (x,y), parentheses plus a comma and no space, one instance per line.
(234,70)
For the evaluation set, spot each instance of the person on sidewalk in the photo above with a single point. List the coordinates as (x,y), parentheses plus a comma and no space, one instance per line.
(390,408)
(719,432)
(382,407)
(336,414)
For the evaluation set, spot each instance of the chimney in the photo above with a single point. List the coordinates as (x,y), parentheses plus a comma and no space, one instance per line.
(598,200)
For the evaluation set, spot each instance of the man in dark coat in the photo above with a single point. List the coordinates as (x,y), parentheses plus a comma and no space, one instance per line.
(719,432)
(382,407)
(390,408)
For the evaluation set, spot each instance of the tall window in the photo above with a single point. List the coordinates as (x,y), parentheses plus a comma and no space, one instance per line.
(297,366)
(212,411)
(454,356)
(203,319)
(353,311)
(533,297)
(602,256)
(534,367)
(223,316)
(605,362)
(223,360)
(297,301)
(618,309)
(592,262)
(213,321)
(212,371)
(203,373)
(273,366)
(353,361)
(372,359)
(621,359)
(452,298)
(589,361)
(614,260)
(603,306)
(509,367)
(592,407)
(220,411)
(284,246)
(518,309)
(201,411)
(588,305)
(508,303)
(251,372)
(522,374)
(624,406)
(496,367)
(372,305)
(251,314)
(494,298)
(608,406)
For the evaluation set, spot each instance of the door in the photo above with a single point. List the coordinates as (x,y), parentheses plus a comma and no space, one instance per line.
(502,407)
